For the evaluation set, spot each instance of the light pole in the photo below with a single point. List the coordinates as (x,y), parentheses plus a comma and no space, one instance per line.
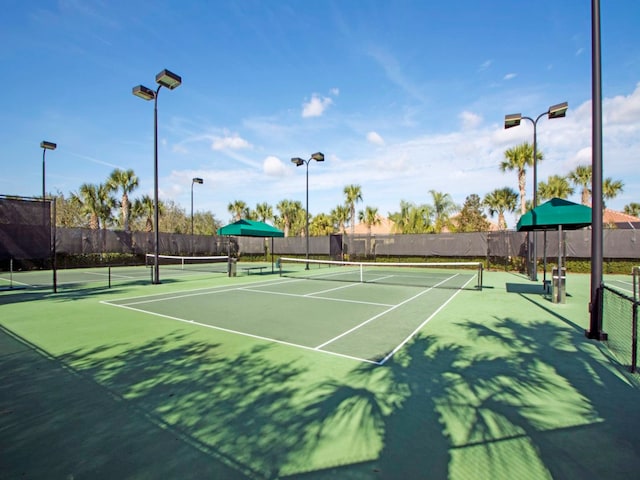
(513,120)
(52,246)
(318,157)
(171,81)
(194,180)
(45,146)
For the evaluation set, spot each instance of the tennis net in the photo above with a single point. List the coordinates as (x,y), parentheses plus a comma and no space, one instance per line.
(216,264)
(457,275)
(620,321)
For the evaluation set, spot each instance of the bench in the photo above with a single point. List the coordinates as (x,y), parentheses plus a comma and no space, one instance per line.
(248,269)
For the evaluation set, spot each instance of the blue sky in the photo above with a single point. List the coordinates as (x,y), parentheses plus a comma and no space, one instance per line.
(401,96)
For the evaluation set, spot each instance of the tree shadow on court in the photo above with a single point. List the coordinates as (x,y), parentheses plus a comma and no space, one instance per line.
(517,400)
(171,408)
(523,401)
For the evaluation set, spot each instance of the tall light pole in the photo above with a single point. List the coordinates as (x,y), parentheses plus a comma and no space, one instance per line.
(171,81)
(513,120)
(45,146)
(52,246)
(318,157)
(194,180)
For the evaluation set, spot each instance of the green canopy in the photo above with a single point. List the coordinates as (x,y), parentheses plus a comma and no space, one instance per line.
(554,214)
(250,228)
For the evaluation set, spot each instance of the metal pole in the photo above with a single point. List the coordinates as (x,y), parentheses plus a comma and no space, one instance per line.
(192,208)
(44,151)
(307,222)
(595,305)
(156,215)
(534,270)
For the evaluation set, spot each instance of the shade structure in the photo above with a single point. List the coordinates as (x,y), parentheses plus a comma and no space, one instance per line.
(555,214)
(250,228)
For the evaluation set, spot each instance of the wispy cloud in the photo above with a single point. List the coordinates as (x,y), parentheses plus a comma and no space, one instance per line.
(470,120)
(510,76)
(485,65)
(230,142)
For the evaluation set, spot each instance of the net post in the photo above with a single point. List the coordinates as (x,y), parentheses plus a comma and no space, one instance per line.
(11,272)
(480,273)
(109,276)
(634,337)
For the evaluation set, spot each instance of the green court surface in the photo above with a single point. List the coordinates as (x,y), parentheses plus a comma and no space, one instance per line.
(261,376)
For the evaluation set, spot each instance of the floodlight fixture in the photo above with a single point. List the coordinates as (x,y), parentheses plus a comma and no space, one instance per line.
(512,120)
(48,145)
(168,79)
(198,180)
(144,92)
(318,157)
(297,161)
(559,110)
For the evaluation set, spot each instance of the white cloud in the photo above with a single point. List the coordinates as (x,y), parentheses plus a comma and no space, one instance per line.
(375,138)
(273,167)
(316,106)
(335,91)
(485,65)
(579,51)
(229,142)
(623,110)
(510,76)
(470,120)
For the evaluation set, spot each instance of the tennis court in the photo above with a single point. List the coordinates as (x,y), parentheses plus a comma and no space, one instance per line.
(331,372)
(329,310)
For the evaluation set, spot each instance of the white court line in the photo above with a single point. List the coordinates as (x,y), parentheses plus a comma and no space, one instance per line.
(314,297)
(258,337)
(382,313)
(412,334)
(15,281)
(204,290)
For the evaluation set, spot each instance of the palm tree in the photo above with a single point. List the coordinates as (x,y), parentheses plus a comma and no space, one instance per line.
(88,199)
(353,194)
(127,181)
(264,212)
(238,209)
(519,158)
(107,204)
(412,218)
(499,201)
(611,188)
(143,208)
(444,206)
(401,219)
(632,209)
(581,177)
(339,217)
(556,186)
(289,213)
(322,224)
(369,216)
